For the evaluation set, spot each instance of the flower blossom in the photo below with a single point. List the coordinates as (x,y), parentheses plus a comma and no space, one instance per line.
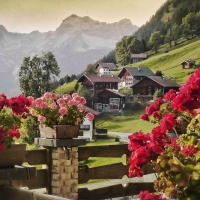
(168,122)
(90,116)
(66,97)
(83,101)
(189,150)
(71,103)
(14,133)
(145,195)
(61,102)
(53,105)
(19,105)
(48,95)
(170,95)
(63,111)
(41,119)
(3,101)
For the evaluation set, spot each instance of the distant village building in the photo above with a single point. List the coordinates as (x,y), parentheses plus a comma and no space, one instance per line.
(106,68)
(187,64)
(97,83)
(87,127)
(138,57)
(131,75)
(109,101)
(144,90)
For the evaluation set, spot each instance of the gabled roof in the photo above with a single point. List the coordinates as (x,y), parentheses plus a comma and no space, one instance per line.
(165,82)
(138,71)
(94,78)
(139,55)
(192,62)
(114,92)
(110,66)
(94,112)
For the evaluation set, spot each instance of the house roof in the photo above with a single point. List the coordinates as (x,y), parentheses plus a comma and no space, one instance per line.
(94,112)
(165,82)
(94,78)
(111,66)
(138,71)
(115,92)
(192,62)
(112,91)
(139,55)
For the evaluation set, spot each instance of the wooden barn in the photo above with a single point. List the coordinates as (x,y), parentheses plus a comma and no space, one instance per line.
(109,101)
(144,90)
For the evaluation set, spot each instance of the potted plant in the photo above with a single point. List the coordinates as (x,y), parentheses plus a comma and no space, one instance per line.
(176,159)
(12,111)
(60,117)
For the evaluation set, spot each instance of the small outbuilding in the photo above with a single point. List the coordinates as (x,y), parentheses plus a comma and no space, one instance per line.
(109,101)
(187,64)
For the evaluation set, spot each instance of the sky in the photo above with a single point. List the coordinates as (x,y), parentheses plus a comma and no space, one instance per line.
(25,16)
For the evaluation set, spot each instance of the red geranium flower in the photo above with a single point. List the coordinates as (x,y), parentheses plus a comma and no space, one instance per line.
(189,150)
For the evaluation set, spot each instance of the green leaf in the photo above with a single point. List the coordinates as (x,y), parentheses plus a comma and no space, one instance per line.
(195,176)
(197,155)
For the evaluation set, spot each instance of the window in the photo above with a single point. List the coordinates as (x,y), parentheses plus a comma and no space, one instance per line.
(84,127)
(80,133)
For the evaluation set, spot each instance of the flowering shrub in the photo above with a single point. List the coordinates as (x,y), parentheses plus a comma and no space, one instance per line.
(67,110)
(176,160)
(12,111)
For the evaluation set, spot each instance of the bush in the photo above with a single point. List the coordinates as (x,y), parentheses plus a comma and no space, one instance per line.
(134,106)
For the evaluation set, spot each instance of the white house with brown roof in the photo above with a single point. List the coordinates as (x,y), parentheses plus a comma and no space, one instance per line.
(131,75)
(106,68)
(138,57)
(87,127)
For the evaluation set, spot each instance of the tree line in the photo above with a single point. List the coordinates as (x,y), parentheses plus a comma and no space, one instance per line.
(128,45)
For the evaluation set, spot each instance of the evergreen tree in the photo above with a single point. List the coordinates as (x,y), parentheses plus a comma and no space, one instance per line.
(127,46)
(156,40)
(37,75)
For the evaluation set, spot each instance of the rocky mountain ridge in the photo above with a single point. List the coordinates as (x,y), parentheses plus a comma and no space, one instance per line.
(77,42)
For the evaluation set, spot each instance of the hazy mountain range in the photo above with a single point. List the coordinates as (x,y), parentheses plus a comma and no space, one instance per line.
(77,42)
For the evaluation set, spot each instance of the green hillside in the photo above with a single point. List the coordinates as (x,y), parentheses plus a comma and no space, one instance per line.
(169,63)
(66,88)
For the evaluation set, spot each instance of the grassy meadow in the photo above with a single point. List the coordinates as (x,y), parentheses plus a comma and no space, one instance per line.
(66,88)
(127,122)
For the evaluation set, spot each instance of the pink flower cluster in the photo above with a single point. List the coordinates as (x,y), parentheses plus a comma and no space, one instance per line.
(51,110)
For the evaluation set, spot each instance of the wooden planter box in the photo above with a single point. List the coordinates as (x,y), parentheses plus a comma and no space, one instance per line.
(13,156)
(59,131)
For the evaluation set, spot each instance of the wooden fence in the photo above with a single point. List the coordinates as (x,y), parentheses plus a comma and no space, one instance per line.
(114,171)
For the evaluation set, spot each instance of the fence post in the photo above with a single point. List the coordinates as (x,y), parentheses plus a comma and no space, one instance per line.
(62,166)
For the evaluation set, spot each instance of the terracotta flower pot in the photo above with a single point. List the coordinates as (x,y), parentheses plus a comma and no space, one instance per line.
(15,155)
(59,131)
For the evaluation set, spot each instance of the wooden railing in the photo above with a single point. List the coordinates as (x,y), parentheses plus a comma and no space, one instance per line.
(114,171)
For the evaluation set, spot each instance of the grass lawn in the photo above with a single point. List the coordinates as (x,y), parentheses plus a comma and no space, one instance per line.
(128,121)
(66,88)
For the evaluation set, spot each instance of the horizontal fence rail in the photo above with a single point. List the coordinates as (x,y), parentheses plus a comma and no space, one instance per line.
(113,171)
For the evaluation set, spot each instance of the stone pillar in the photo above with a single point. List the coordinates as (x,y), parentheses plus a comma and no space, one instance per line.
(65,172)
(62,166)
